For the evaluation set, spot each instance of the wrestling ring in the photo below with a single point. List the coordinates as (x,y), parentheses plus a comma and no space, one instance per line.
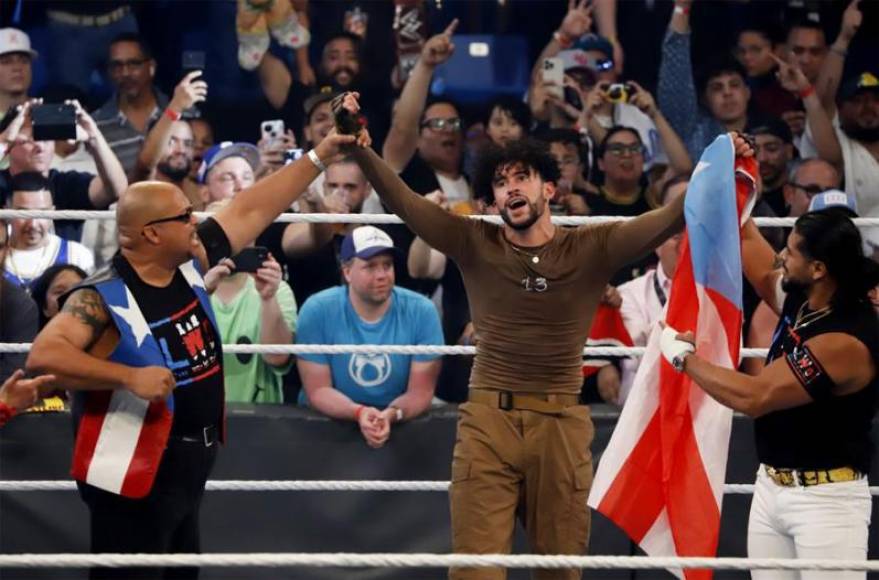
(39,517)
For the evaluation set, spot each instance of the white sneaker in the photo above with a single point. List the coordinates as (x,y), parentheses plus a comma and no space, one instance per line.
(251,49)
(290,33)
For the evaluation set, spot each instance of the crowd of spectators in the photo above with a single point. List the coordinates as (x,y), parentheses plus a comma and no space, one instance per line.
(783,73)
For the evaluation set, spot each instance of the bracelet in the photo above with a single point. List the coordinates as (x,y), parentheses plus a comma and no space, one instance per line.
(564,41)
(6,413)
(807,92)
(172,114)
(312,156)
(358,411)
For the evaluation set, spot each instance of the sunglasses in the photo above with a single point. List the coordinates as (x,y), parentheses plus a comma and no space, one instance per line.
(438,124)
(184,218)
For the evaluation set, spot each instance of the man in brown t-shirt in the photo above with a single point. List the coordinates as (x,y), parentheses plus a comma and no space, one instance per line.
(523,438)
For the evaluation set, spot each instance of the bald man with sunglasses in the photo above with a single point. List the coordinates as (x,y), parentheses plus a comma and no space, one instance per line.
(138,345)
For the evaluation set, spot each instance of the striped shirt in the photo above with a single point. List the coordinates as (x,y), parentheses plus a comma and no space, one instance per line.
(123,138)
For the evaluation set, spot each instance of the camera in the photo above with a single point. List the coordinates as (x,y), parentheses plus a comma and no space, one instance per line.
(54,122)
(250,259)
(620,93)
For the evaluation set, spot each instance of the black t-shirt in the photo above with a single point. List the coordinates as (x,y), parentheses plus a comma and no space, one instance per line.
(70,190)
(191,346)
(828,432)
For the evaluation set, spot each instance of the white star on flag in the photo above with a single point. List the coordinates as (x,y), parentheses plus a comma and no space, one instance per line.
(191,274)
(134,317)
(700,167)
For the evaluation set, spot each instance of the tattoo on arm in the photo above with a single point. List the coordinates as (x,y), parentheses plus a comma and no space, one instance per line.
(87,306)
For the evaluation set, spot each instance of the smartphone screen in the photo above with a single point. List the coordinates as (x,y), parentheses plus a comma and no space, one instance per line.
(250,259)
(192,60)
(554,72)
(54,122)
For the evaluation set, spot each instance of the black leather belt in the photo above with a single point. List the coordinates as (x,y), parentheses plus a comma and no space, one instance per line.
(207,436)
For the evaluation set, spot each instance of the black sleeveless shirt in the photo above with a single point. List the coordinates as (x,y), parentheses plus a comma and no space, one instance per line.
(831,431)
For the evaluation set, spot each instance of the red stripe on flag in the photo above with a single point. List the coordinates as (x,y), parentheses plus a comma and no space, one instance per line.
(147,455)
(88,431)
(635,498)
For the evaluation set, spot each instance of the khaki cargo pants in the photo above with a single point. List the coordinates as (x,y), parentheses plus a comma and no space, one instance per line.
(513,463)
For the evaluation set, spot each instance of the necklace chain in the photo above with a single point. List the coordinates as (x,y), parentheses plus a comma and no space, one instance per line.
(805,319)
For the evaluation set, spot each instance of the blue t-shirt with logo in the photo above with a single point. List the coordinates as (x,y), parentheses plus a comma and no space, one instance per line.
(376,379)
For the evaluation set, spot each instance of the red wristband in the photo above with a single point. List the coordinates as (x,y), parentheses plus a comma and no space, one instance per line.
(357,412)
(6,413)
(807,91)
(172,114)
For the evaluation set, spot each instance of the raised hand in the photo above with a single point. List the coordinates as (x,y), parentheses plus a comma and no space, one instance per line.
(643,100)
(851,21)
(188,92)
(86,128)
(22,116)
(439,48)
(743,145)
(215,275)
(790,76)
(577,21)
(267,278)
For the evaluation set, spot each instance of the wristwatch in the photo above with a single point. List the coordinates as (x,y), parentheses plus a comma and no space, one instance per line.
(678,361)
(398,413)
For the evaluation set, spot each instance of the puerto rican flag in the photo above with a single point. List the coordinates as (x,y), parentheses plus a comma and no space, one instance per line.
(608,329)
(121,438)
(661,477)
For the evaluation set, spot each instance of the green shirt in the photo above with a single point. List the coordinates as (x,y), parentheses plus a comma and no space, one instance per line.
(249,378)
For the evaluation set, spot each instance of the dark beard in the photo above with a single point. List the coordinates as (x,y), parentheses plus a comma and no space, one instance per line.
(868,135)
(175,174)
(793,286)
(532,218)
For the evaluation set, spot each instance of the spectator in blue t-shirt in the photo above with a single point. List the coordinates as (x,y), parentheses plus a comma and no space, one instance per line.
(375,390)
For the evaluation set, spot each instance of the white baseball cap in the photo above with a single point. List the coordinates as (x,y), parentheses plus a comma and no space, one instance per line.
(364,243)
(15,40)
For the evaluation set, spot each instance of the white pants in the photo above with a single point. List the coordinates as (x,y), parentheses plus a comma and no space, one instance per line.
(827,521)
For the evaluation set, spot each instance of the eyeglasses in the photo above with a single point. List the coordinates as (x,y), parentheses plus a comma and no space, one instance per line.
(810,189)
(184,218)
(118,65)
(618,149)
(438,124)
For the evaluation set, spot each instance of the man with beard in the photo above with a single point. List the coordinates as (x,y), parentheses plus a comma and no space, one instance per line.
(340,69)
(523,437)
(168,150)
(814,401)
(137,104)
(775,151)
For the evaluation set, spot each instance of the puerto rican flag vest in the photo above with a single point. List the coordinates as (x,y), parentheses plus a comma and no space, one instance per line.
(120,437)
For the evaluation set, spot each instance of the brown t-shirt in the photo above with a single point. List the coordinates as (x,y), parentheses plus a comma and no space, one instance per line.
(532,317)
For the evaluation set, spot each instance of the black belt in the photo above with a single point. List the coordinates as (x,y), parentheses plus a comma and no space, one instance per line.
(206,436)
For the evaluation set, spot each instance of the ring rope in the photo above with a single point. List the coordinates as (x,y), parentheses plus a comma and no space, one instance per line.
(19,347)
(354,560)
(311,485)
(374,218)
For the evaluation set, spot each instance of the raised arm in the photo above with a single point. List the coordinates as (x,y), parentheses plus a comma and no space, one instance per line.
(760,266)
(824,136)
(674,148)
(186,94)
(831,71)
(402,139)
(676,90)
(252,210)
(275,80)
(629,240)
(73,345)
(111,181)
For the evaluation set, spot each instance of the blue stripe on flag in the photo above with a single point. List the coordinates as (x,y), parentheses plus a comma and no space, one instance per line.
(713,222)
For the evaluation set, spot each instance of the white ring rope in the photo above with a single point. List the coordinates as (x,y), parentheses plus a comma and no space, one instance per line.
(16,347)
(310,485)
(373,218)
(354,560)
